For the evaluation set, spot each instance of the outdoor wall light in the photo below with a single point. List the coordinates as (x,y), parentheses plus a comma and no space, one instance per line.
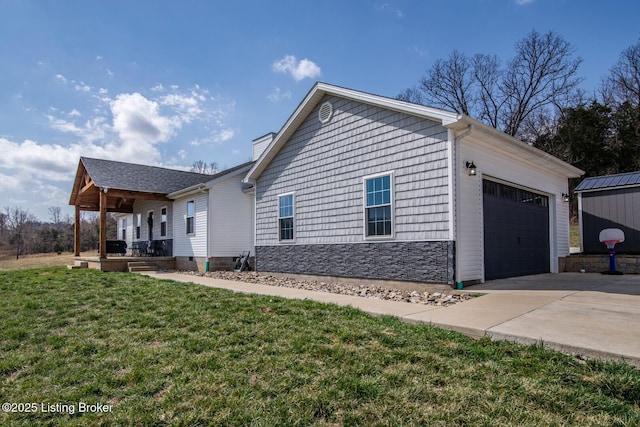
(565,197)
(472,168)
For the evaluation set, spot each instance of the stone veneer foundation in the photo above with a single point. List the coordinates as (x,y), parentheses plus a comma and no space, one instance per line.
(425,262)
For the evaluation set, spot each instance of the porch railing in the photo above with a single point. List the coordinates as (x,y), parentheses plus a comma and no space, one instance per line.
(152,248)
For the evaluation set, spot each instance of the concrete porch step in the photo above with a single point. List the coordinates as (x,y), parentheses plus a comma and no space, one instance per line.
(137,266)
(78,264)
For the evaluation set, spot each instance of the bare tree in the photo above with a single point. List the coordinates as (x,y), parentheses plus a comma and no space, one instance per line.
(623,83)
(487,73)
(3,224)
(18,222)
(55,213)
(200,166)
(542,75)
(448,83)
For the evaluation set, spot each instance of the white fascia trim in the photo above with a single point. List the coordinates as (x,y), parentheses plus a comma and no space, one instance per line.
(446,117)
(189,191)
(570,171)
(318,91)
(451,182)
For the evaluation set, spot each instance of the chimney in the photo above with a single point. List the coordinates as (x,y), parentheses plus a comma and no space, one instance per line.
(260,144)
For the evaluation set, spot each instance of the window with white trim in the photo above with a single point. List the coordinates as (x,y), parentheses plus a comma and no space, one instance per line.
(285,217)
(163,222)
(378,206)
(138,224)
(191,219)
(123,227)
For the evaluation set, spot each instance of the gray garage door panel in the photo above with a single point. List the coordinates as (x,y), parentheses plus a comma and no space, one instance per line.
(516,231)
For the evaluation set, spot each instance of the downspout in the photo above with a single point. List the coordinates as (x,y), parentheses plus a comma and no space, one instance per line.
(457,139)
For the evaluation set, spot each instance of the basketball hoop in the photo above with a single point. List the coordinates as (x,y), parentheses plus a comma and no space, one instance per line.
(611,236)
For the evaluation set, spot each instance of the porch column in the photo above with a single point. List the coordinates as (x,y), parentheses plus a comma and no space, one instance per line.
(103,224)
(76,233)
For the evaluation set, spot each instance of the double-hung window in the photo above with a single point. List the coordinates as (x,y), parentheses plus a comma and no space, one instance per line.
(191,212)
(285,217)
(138,224)
(123,227)
(378,206)
(163,222)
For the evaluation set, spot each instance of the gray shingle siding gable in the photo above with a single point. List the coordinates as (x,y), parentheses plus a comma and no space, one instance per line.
(324,166)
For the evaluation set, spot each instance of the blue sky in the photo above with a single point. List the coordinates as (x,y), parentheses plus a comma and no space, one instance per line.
(169,83)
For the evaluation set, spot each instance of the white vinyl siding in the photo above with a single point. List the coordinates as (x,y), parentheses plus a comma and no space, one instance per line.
(325,165)
(142,208)
(190,244)
(496,164)
(231,217)
(126,227)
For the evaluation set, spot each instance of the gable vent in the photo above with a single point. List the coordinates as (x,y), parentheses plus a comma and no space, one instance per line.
(325,113)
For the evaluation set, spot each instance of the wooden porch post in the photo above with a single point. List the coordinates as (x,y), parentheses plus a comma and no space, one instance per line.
(76,233)
(103,224)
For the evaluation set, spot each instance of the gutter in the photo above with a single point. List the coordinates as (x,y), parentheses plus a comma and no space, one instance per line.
(194,189)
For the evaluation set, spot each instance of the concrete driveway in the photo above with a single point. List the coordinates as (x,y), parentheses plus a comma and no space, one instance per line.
(587,314)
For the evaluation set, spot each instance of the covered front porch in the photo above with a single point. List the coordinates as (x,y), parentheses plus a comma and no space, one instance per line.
(90,194)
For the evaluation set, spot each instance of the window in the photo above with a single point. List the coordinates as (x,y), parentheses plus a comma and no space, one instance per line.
(124,228)
(163,222)
(285,217)
(191,211)
(378,206)
(138,222)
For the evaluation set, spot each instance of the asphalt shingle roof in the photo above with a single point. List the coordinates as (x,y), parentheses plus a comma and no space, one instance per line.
(610,181)
(133,177)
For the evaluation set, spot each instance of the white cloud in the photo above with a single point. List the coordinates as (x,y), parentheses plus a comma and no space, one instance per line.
(277,95)
(48,161)
(158,88)
(82,87)
(224,135)
(297,69)
(126,127)
(187,107)
(60,78)
(138,120)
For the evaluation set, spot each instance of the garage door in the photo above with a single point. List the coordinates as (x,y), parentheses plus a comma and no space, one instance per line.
(516,231)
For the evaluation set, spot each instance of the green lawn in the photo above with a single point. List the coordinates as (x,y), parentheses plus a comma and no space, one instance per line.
(164,353)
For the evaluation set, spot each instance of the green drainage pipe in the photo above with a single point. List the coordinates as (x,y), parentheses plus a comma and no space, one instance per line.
(206,266)
(459,286)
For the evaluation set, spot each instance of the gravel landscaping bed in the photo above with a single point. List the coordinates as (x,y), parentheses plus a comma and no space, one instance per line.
(365,291)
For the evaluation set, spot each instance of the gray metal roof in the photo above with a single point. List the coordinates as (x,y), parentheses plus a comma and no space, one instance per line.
(134,177)
(630,179)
